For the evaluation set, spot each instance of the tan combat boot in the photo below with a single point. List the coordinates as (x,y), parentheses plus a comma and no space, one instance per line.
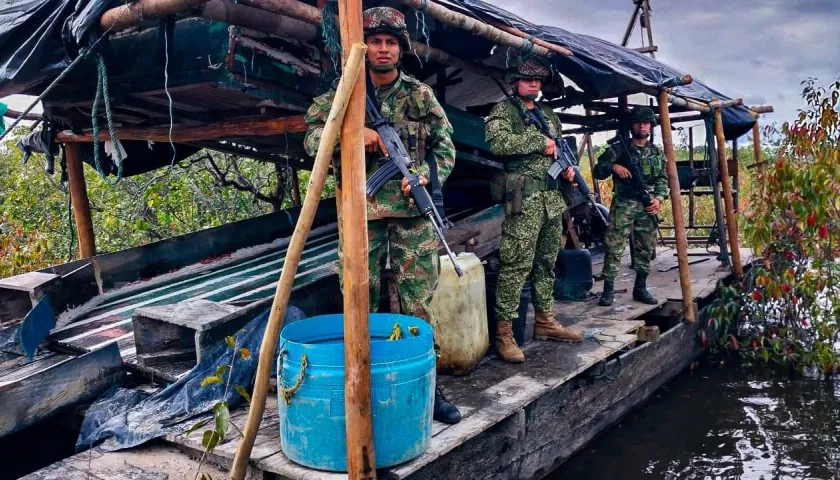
(547,328)
(506,345)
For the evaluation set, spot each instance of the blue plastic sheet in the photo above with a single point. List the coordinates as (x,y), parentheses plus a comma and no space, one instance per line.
(124,418)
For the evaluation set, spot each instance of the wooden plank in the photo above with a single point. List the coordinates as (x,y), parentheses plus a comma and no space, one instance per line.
(30,282)
(44,392)
(151,461)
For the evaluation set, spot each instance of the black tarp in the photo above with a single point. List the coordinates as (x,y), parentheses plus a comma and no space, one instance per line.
(604,69)
(39,37)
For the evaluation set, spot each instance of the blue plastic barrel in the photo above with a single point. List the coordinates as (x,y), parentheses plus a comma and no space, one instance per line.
(312,425)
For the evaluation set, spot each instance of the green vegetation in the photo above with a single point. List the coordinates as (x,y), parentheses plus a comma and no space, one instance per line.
(786,312)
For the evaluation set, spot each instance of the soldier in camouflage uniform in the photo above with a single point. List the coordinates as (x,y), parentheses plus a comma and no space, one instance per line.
(627,214)
(395,225)
(531,238)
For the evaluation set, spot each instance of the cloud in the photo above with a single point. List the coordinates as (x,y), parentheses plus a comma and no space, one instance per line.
(759,50)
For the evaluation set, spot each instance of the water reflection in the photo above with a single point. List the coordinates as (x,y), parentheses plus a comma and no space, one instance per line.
(721,424)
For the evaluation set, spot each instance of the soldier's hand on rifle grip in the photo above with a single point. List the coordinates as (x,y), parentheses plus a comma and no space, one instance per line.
(655,206)
(621,171)
(406,188)
(569,175)
(373,142)
(550,147)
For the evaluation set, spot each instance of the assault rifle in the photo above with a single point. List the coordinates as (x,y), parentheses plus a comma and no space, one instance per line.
(398,157)
(637,180)
(565,155)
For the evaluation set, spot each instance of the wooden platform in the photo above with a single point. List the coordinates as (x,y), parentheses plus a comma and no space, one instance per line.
(521,421)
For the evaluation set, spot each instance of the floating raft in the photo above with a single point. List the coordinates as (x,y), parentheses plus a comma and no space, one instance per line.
(568,393)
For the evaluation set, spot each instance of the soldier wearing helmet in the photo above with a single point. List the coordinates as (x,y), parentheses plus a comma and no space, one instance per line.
(627,214)
(531,237)
(394,224)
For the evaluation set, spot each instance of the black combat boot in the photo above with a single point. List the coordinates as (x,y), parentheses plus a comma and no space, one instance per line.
(444,411)
(640,292)
(608,295)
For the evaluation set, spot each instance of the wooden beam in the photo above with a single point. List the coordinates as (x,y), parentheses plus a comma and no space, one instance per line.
(274,12)
(29,116)
(630,25)
(79,199)
(257,19)
(256,127)
(731,223)
(536,41)
(646,13)
(650,49)
(762,109)
(358,413)
(676,207)
(477,27)
(133,14)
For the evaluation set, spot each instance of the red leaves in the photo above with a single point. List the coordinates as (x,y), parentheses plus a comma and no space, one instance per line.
(823,231)
(756,295)
(786,288)
(812,220)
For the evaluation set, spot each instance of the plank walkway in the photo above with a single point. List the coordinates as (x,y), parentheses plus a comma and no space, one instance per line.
(493,393)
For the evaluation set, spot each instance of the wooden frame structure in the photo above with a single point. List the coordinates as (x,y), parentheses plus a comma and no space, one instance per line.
(267,18)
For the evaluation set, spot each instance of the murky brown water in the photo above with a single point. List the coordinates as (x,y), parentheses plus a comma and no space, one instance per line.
(722,424)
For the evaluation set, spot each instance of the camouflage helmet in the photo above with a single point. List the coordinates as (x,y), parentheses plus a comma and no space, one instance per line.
(643,114)
(386,20)
(528,68)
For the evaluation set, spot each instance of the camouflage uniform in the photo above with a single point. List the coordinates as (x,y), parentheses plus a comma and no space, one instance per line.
(627,214)
(530,239)
(394,224)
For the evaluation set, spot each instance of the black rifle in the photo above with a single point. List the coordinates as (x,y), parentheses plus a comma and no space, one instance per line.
(636,180)
(565,156)
(398,157)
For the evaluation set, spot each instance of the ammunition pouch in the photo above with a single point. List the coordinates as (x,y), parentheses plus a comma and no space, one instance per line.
(511,189)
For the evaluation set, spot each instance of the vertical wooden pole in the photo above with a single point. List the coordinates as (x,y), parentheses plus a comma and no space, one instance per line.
(631,24)
(691,171)
(295,187)
(646,6)
(731,224)
(676,207)
(587,142)
(757,146)
(736,180)
(79,198)
(361,461)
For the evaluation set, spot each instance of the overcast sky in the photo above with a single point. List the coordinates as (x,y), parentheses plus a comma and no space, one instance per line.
(759,50)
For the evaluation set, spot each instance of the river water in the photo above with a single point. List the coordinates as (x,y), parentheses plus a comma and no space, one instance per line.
(721,423)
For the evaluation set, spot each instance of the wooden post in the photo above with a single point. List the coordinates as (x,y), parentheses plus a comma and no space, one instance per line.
(676,207)
(631,24)
(295,187)
(757,147)
(691,171)
(355,63)
(361,461)
(79,198)
(731,224)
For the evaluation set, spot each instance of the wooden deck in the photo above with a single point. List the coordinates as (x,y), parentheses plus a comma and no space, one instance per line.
(519,421)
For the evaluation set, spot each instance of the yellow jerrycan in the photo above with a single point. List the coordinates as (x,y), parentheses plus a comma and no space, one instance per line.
(460,308)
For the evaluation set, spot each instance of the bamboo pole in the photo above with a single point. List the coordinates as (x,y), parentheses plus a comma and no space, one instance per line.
(133,14)
(731,223)
(80,201)
(536,41)
(477,27)
(358,412)
(355,61)
(258,19)
(213,131)
(676,207)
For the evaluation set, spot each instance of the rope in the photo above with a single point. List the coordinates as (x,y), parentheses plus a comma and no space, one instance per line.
(288,392)
(330,35)
(102,90)
(421,22)
(83,54)
(166,89)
